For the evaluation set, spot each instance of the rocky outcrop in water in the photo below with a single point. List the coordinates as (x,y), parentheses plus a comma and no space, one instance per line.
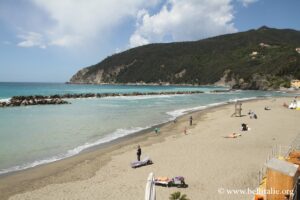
(33,100)
(59,99)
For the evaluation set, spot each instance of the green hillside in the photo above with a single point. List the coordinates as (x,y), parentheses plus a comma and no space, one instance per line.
(255,59)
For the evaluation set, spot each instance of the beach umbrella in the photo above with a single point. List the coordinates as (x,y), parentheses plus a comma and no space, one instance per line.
(150,188)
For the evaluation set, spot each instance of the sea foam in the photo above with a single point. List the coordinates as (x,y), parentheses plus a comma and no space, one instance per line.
(119,133)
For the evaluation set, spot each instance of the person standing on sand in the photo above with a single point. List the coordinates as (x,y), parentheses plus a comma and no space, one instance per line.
(139,153)
(191,120)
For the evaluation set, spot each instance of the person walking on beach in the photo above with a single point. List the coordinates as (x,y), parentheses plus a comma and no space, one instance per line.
(185,131)
(191,120)
(139,153)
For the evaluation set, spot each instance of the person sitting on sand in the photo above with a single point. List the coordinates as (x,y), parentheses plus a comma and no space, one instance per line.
(139,153)
(244,127)
(267,108)
(251,114)
(254,116)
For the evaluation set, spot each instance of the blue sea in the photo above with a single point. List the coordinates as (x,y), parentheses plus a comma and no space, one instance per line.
(35,135)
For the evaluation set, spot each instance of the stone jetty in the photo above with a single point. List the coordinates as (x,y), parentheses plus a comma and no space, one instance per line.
(32,100)
(60,99)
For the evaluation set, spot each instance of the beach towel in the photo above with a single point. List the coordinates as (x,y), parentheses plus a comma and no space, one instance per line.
(145,161)
(163,181)
(177,181)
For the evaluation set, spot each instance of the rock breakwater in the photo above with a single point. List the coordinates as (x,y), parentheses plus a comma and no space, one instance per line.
(60,99)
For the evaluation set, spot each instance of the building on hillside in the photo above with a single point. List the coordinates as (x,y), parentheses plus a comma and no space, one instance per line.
(264,45)
(295,83)
(254,53)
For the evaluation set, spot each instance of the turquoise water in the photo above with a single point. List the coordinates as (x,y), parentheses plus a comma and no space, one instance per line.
(34,135)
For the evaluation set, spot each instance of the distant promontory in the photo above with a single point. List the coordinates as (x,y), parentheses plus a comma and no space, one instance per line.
(263,58)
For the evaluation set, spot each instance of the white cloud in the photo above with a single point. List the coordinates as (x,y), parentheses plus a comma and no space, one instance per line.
(138,40)
(32,39)
(247,2)
(79,22)
(184,20)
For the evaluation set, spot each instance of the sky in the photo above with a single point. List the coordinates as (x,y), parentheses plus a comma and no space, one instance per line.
(50,40)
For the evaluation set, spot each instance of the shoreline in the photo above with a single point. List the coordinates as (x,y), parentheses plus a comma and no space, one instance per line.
(53,167)
(130,136)
(94,159)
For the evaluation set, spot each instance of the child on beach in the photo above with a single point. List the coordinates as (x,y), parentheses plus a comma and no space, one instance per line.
(185,131)
(191,120)
(156,130)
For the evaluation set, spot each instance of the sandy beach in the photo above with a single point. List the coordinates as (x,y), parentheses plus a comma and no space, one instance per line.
(209,162)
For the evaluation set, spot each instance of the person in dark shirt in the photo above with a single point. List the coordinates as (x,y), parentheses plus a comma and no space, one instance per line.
(139,153)
(244,127)
(191,120)
(255,116)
